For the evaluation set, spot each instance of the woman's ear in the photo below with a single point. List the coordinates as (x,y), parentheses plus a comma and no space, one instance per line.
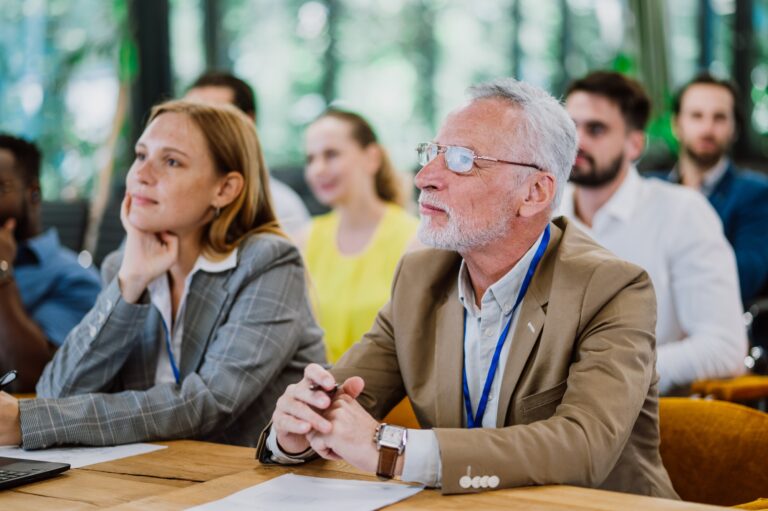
(229,188)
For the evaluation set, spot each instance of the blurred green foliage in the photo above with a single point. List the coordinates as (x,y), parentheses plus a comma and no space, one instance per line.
(402,63)
(59,72)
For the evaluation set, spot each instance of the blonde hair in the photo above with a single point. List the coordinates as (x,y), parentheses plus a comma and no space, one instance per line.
(234,147)
(389,185)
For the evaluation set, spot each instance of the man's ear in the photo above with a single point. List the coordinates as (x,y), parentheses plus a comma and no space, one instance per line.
(35,195)
(675,126)
(230,187)
(541,192)
(635,144)
(736,131)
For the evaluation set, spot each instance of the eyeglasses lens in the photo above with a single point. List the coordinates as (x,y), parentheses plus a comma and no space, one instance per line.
(459,159)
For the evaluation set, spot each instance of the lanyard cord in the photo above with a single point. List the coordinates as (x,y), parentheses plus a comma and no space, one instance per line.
(172,359)
(477,420)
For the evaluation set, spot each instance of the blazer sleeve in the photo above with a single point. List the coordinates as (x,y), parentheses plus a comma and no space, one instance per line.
(97,348)
(607,385)
(258,338)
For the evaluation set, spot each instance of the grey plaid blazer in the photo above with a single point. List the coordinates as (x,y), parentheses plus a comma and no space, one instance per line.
(248,333)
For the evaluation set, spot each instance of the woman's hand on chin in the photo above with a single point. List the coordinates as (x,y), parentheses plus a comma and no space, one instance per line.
(147,255)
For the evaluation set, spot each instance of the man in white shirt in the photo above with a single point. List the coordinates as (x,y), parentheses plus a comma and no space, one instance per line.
(670,231)
(525,348)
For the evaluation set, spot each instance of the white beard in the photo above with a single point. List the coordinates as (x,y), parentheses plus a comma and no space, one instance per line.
(461,233)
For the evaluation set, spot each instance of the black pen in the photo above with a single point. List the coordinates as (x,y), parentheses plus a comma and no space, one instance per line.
(330,393)
(7,378)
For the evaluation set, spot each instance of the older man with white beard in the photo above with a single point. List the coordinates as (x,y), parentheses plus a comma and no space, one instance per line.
(526,349)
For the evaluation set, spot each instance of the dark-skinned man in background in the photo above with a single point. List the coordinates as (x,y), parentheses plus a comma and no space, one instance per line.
(44,292)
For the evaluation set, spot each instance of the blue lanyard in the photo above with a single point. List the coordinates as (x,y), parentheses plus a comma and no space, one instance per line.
(477,420)
(174,367)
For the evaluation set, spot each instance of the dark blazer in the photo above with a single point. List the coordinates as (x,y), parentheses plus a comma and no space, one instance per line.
(741,200)
(579,397)
(248,333)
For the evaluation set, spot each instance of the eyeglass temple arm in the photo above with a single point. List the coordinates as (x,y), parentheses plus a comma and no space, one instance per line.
(488,158)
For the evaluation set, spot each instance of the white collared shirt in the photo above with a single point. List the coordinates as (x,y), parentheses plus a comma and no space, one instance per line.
(160,296)
(483,328)
(675,235)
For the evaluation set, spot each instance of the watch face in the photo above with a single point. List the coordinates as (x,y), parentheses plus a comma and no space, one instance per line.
(391,436)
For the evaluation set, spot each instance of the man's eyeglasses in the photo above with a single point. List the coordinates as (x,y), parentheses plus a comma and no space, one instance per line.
(458,159)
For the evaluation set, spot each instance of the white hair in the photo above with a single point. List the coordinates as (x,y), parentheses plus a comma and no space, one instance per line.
(547,133)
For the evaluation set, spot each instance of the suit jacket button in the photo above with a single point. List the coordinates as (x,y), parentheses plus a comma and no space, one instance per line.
(465,482)
(484,482)
(493,482)
(476,482)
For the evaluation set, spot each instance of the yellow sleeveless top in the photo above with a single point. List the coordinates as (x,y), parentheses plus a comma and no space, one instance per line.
(347,292)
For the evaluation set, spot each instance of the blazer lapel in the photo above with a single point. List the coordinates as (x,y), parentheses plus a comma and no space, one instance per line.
(722,190)
(449,353)
(205,301)
(528,328)
(529,325)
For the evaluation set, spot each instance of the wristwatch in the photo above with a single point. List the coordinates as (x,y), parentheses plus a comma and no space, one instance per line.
(6,273)
(390,441)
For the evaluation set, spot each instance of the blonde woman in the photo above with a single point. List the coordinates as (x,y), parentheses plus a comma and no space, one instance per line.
(352,251)
(204,319)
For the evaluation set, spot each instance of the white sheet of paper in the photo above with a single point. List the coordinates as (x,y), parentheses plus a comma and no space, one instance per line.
(291,492)
(80,456)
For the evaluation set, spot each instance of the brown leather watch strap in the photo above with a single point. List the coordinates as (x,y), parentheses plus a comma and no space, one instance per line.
(387,462)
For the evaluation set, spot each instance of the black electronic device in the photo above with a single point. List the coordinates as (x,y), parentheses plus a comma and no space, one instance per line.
(16,471)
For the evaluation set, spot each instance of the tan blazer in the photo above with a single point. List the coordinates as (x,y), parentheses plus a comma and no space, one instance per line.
(578,404)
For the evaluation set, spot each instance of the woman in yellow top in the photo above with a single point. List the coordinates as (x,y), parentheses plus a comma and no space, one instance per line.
(351,252)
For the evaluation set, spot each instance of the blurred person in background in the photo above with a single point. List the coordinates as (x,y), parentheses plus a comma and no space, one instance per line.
(352,251)
(222,87)
(44,291)
(706,123)
(668,230)
(204,319)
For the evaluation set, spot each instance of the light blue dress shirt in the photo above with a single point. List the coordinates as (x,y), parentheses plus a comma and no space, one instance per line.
(55,289)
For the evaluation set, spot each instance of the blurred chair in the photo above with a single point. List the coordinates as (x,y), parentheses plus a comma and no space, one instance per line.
(715,452)
(751,389)
(111,232)
(403,415)
(69,218)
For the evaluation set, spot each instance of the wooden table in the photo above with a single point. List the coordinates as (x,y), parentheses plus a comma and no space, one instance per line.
(189,473)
